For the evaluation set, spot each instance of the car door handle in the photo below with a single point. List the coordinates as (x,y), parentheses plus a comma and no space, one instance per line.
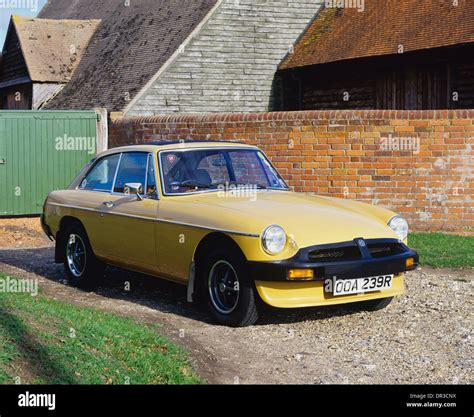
(108,204)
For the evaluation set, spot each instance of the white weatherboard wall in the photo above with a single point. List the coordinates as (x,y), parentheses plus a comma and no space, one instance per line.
(229,63)
(42,92)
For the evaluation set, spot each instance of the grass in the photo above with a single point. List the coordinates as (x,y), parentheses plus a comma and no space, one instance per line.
(45,341)
(441,250)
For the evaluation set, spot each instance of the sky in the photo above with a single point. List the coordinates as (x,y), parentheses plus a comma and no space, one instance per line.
(19,7)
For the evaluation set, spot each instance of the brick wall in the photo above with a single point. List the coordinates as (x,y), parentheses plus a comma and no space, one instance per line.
(349,154)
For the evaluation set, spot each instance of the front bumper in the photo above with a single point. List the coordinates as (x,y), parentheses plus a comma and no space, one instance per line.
(363,265)
(312,293)
(277,290)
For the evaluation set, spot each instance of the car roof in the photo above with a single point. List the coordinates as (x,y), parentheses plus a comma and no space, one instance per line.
(184,144)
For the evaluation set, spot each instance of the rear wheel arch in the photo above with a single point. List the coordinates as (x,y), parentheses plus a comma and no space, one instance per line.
(66,221)
(82,268)
(64,224)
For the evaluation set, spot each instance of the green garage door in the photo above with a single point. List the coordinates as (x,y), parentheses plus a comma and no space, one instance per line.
(41,151)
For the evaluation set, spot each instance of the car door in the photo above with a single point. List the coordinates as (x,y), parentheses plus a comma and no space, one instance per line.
(87,201)
(129,220)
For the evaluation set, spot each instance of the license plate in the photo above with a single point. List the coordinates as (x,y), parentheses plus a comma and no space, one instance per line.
(361,285)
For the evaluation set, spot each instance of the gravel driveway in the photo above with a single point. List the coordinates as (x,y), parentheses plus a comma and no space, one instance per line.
(424,337)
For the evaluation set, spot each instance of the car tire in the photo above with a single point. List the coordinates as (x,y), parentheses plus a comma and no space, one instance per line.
(373,305)
(227,290)
(83,269)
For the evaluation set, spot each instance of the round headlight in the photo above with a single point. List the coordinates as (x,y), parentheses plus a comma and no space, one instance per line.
(400,226)
(273,239)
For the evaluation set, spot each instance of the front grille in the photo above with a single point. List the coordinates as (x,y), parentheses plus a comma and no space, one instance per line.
(347,253)
(380,250)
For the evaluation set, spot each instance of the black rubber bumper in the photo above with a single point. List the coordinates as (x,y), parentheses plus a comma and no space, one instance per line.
(46,228)
(366,266)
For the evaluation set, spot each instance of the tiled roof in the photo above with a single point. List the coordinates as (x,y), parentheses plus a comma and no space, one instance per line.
(53,48)
(129,47)
(381,29)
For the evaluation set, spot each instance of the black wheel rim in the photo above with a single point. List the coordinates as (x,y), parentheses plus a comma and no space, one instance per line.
(224,288)
(76,255)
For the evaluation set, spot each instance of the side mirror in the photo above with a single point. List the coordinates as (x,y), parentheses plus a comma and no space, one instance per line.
(134,188)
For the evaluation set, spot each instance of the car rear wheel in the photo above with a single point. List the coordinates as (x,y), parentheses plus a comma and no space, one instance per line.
(83,269)
(227,290)
(373,305)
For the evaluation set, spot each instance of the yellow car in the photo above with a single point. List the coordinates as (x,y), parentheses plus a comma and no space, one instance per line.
(218,218)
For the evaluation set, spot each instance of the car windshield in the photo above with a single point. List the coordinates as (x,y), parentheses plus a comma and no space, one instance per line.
(189,171)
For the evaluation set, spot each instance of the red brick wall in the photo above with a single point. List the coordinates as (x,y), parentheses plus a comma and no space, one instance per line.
(349,154)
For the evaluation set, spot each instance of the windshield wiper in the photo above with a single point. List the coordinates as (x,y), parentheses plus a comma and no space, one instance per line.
(243,184)
(190,184)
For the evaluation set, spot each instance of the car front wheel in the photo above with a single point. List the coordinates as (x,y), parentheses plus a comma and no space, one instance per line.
(229,294)
(82,267)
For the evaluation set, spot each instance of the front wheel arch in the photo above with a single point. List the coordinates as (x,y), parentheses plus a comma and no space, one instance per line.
(223,251)
(206,245)
(212,241)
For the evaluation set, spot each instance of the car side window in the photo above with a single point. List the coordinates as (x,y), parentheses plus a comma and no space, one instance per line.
(132,169)
(101,177)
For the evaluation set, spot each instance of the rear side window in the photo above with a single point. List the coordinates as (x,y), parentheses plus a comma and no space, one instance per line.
(101,177)
(132,169)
